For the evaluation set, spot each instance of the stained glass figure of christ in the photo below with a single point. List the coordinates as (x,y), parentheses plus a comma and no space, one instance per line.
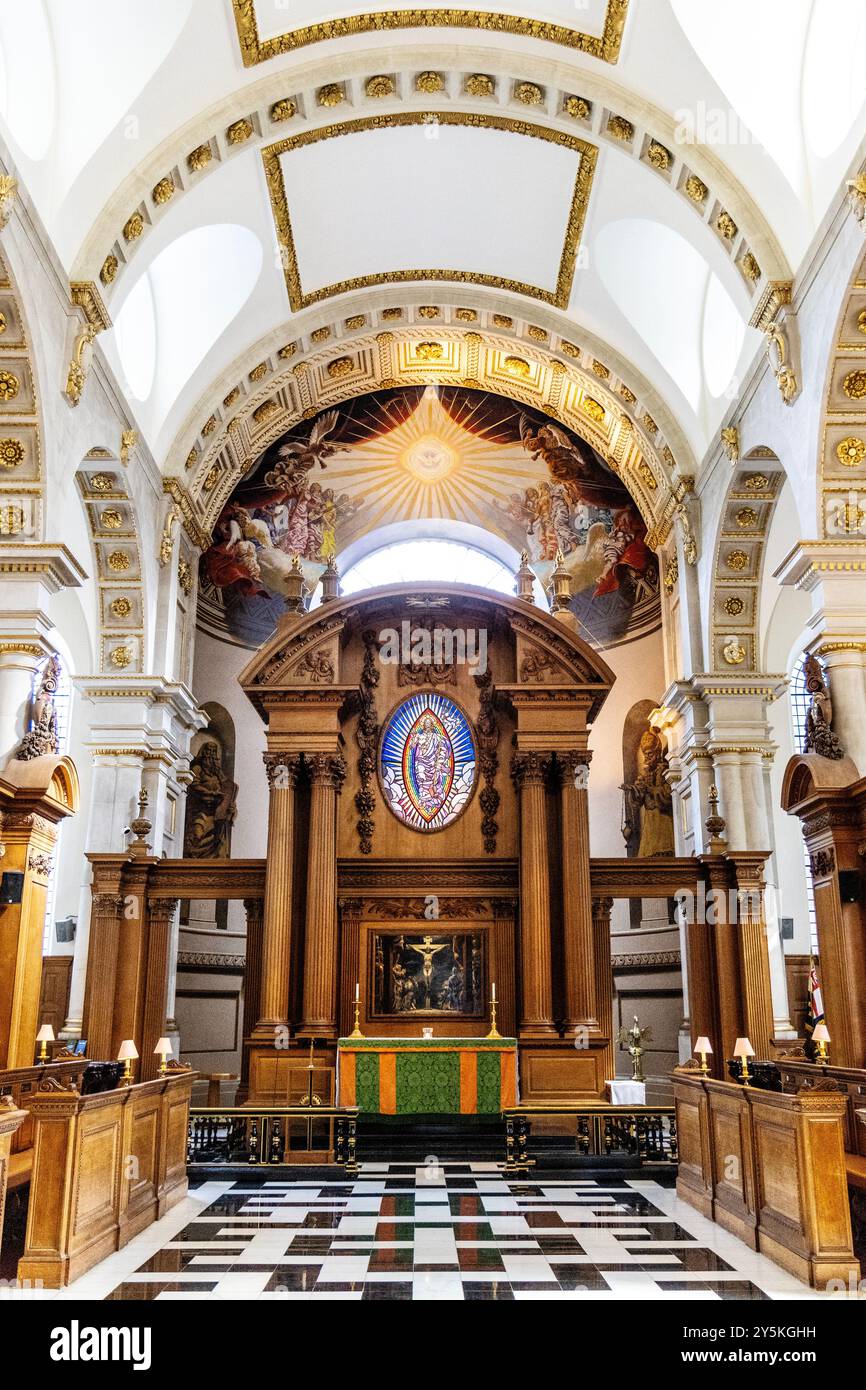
(427,761)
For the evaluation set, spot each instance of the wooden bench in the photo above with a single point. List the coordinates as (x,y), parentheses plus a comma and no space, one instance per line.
(19,1170)
(855,1167)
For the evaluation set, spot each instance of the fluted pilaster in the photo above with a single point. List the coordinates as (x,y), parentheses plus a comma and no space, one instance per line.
(536,1019)
(282,770)
(328,773)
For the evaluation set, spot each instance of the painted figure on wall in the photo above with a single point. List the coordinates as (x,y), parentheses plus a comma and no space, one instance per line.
(439,453)
(647,814)
(210,806)
(428,974)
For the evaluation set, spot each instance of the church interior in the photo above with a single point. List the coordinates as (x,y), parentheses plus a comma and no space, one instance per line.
(432,651)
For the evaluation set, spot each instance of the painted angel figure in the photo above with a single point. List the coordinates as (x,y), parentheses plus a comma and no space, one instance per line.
(300,455)
(554,447)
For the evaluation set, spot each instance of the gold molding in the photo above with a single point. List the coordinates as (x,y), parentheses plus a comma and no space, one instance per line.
(559,297)
(605,46)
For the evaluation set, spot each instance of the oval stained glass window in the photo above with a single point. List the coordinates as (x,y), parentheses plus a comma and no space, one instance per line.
(427,761)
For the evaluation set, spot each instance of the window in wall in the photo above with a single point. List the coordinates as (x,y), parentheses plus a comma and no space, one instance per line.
(429,560)
(800,702)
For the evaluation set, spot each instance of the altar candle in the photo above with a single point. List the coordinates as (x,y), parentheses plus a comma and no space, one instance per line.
(357,992)
(493,992)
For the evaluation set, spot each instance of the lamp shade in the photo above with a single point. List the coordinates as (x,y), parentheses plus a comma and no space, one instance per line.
(163,1047)
(743,1048)
(820,1033)
(128,1051)
(45,1034)
(703,1045)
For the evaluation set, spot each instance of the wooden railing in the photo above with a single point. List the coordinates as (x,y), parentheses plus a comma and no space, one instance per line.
(646,1133)
(269,1135)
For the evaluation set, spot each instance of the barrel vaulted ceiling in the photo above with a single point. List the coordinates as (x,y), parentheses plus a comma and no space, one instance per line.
(607,183)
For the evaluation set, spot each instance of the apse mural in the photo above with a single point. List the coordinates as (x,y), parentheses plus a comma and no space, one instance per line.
(427,762)
(431,453)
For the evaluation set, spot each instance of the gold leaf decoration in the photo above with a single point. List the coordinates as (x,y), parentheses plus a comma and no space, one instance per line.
(340,367)
(120,657)
(118,561)
(239,131)
(749,266)
(854,384)
(121,606)
(379,86)
(658,155)
(133,227)
(757,482)
(356,321)
(283,110)
(726,226)
(199,158)
(184,575)
(601,370)
(627,394)
(209,425)
(11,453)
(593,409)
(429,352)
(578,107)
(393,313)
(539,334)
(9,386)
(736,559)
(232,396)
(287,350)
(747,516)
(429,82)
(332,94)
(502,321)
(620,128)
(734,606)
(479,84)
(111,519)
(260,372)
(163,191)
(429,311)
(529,93)
(851,451)
(649,423)
(517,366)
(266,411)
(467,315)
(696,189)
(109,270)
(321,335)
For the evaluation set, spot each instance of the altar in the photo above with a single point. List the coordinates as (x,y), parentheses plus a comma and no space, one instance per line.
(416,1076)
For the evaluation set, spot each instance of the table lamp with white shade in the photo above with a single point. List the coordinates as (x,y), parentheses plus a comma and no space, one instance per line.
(44,1037)
(163,1052)
(127,1055)
(703,1046)
(743,1049)
(821,1036)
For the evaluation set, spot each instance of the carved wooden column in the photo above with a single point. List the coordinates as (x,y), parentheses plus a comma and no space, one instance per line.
(581,1007)
(328,771)
(160,915)
(254,908)
(603,972)
(536,1015)
(282,770)
(505,955)
(705,1001)
(105,918)
(754,957)
(350,961)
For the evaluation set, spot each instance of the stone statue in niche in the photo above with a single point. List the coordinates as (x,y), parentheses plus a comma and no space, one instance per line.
(41,737)
(210,806)
(647,807)
(819,737)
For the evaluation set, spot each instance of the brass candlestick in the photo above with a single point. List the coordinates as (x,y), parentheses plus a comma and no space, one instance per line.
(356,1031)
(493,1030)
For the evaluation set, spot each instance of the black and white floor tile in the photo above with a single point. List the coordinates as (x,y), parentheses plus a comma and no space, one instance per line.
(455,1231)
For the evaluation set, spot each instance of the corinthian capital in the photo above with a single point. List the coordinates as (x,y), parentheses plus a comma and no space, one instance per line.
(329,768)
(529,768)
(282,770)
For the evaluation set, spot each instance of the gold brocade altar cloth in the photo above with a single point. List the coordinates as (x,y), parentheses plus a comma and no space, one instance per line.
(416,1076)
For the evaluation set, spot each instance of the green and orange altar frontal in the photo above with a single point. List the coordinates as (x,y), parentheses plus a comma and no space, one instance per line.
(418,1076)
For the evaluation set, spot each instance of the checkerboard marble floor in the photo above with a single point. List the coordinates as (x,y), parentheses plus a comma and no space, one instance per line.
(456,1231)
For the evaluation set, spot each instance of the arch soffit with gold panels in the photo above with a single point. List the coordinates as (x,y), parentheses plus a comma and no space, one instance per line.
(345,95)
(21,467)
(741,542)
(594,403)
(118,562)
(842,462)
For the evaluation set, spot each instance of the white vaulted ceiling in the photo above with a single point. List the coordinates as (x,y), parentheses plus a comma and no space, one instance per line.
(529,194)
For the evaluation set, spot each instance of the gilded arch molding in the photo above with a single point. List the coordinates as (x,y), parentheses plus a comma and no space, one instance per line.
(254,50)
(591,401)
(746,517)
(294,103)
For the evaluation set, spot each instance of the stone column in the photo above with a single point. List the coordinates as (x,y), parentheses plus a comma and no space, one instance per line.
(160,915)
(328,773)
(282,770)
(603,972)
(580,999)
(536,1015)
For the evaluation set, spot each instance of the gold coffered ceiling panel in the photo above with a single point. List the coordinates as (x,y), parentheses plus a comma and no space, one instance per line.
(559,297)
(604,45)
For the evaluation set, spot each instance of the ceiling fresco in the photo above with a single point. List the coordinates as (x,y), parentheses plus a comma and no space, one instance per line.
(433,453)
